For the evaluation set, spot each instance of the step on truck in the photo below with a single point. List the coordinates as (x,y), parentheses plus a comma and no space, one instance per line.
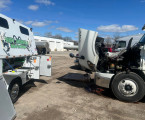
(19,61)
(122,72)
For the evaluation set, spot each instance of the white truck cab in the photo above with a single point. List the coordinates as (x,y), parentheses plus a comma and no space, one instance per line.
(16,39)
(19,61)
(123,72)
(121,43)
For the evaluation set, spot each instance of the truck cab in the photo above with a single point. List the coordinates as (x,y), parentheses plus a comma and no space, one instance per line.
(122,42)
(123,72)
(19,60)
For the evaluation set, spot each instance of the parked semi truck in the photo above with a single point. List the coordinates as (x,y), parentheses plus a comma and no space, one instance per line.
(123,72)
(19,61)
(121,43)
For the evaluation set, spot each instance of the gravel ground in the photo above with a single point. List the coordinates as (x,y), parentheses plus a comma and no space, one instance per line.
(61,98)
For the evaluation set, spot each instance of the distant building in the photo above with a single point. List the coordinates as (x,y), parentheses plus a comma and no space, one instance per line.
(55,44)
(68,44)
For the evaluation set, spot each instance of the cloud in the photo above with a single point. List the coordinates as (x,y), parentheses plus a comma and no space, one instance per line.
(142,1)
(117,28)
(28,22)
(51,27)
(33,7)
(64,29)
(40,23)
(45,2)
(60,13)
(4,3)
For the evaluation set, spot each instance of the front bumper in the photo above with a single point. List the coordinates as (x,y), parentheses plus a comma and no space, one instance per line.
(103,79)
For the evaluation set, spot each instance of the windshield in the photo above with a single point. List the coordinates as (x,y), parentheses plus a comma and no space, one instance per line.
(142,40)
(121,44)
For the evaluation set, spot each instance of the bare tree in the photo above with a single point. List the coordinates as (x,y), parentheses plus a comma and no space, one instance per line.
(67,38)
(75,42)
(37,33)
(48,34)
(116,36)
(108,41)
(58,36)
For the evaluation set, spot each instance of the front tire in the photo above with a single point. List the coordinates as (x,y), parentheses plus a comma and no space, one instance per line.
(128,87)
(14,90)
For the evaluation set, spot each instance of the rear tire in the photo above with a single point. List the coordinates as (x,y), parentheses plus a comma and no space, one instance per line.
(14,90)
(128,87)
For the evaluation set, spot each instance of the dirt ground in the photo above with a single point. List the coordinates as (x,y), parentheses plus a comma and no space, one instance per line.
(61,98)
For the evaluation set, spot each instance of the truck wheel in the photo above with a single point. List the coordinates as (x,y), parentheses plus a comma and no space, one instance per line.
(128,87)
(14,90)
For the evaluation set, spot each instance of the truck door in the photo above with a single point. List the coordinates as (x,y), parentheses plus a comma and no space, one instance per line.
(88,56)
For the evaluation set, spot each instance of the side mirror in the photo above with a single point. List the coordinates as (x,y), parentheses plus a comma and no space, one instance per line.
(71,55)
(143,28)
(129,44)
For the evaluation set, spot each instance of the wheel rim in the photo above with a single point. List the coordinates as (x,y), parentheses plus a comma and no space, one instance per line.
(128,87)
(15,91)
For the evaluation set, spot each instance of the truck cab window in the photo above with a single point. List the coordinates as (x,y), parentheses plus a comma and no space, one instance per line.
(121,44)
(24,30)
(4,23)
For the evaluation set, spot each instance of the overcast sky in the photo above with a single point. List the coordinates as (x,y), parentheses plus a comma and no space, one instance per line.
(108,17)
